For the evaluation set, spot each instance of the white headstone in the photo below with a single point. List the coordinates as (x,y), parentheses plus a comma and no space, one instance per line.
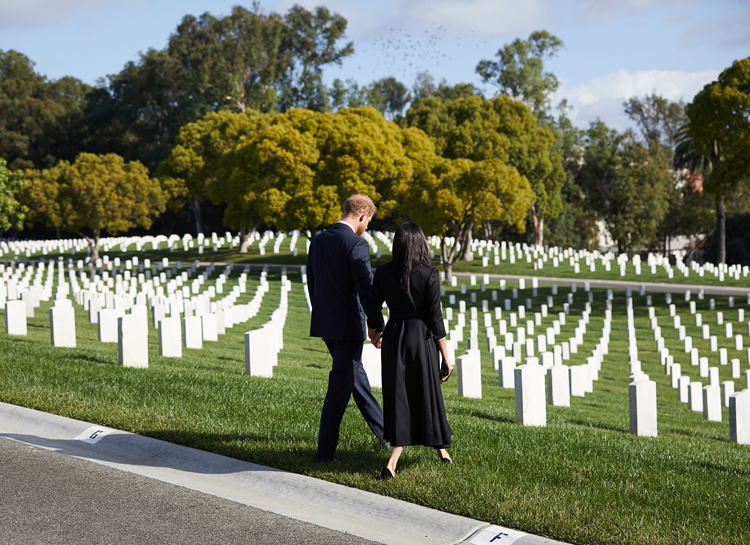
(192,332)
(107,325)
(132,340)
(15,318)
(208,327)
(531,407)
(695,396)
(578,377)
(498,353)
(739,417)
(95,306)
(260,357)
(712,403)
(372,363)
(727,389)
(469,374)
(642,398)
(506,369)
(558,386)
(62,326)
(170,337)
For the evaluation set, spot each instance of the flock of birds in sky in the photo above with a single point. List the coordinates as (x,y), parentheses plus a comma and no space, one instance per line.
(402,54)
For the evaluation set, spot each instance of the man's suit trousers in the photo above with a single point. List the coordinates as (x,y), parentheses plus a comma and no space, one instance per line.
(347,378)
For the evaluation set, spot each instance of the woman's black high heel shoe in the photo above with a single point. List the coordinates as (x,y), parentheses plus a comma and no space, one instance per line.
(446,460)
(386,474)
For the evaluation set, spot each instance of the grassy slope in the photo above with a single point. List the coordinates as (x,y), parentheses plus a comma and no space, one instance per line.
(582,479)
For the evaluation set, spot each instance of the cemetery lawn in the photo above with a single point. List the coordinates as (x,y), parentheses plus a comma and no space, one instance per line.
(582,479)
(519,268)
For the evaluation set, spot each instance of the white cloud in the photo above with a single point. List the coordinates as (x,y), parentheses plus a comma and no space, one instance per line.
(604,9)
(456,17)
(727,31)
(25,14)
(603,97)
(31,13)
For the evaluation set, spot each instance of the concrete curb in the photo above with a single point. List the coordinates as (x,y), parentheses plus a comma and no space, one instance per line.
(360,513)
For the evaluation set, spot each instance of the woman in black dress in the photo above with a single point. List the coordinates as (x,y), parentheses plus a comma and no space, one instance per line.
(413,408)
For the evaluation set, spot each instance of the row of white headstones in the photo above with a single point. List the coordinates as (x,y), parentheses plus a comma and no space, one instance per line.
(502,250)
(123,318)
(706,399)
(538,256)
(563,381)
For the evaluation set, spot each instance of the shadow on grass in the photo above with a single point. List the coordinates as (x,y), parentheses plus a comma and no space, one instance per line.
(720,469)
(89,358)
(249,447)
(599,425)
(483,415)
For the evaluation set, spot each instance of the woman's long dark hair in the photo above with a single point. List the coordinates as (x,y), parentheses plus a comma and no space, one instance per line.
(409,252)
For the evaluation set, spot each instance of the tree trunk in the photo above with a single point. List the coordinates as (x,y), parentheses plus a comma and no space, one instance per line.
(447,259)
(196,206)
(721,230)
(245,235)
(488,230)
(93,246)
(538,227)
(468,254)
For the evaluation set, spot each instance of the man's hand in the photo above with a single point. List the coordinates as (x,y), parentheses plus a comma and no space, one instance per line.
(375,337)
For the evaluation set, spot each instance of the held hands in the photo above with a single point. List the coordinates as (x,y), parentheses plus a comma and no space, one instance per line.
(375,337)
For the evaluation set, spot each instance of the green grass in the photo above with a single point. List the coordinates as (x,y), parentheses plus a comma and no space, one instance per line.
(582,479)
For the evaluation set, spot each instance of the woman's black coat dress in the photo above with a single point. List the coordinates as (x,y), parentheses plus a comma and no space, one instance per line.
(413,407)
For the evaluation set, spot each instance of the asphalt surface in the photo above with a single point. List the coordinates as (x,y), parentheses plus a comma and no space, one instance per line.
(659,287)
(51,498)
(67,481)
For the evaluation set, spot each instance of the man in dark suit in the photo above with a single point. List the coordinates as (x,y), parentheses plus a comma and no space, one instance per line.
(339,279)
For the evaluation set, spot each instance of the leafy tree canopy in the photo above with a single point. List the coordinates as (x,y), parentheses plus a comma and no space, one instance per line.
(96,193)
(720,116)
(626,184)
(40,121)
(500,128)
(519,71)
(657,119)
(12,212)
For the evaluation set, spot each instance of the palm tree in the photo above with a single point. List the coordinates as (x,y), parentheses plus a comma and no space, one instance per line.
(685,157)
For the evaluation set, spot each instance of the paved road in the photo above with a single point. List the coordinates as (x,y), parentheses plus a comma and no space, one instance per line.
(67,481)
(51,498)
(651,287)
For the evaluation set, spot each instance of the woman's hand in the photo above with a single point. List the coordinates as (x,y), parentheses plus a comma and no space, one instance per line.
(447,365)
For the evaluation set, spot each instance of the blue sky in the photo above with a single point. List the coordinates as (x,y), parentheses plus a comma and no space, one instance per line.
(614,49)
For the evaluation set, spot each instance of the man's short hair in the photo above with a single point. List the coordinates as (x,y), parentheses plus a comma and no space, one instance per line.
(359,204)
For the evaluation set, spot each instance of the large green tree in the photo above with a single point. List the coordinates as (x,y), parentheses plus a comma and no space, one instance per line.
(519,71)
(657,119)
(575,226)
(500,128)
(719,124)
(625,184)
(41,121)
(94,194)
(194,163)
(659,122)
(246,60)
(291,170)
(448,196)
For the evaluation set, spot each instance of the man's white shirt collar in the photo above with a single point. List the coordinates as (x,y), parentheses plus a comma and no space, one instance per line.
(349,225)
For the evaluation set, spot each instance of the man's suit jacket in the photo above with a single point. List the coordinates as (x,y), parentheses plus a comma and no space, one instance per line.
(339,279)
